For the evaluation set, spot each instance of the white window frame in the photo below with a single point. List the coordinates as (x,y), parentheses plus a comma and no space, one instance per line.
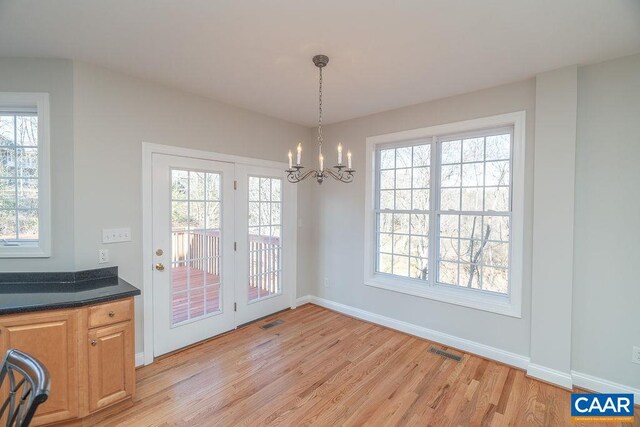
(510,304)
(14,102)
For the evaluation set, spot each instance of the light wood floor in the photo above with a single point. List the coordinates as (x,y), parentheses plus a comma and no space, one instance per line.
(323,368)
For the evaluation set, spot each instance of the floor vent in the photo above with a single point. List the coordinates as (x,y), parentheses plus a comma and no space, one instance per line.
(272,324)
(445,354)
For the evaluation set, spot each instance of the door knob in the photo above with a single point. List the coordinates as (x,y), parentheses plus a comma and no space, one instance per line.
(159,266)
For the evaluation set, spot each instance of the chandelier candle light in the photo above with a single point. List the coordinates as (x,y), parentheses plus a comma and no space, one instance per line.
(341,173)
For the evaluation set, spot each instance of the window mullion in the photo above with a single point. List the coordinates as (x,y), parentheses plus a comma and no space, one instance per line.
(434,202)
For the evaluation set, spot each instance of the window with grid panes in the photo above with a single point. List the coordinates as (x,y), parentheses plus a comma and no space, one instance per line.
(443,210)
(24,175)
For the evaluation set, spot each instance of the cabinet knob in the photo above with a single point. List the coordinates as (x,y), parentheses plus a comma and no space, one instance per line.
(111,314)
(94,343)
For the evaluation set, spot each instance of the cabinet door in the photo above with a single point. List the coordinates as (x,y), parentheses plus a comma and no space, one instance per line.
(52,338)
(111,364)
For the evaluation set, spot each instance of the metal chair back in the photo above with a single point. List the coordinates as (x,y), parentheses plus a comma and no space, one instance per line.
(27,382)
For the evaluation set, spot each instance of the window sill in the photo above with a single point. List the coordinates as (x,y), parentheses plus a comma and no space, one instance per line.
(459,296)
(24,251)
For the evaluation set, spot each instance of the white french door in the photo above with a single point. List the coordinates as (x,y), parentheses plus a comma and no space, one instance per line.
(265,232)
(193,227)
(223,247)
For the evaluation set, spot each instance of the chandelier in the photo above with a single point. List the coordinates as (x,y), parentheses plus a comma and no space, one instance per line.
(341,173)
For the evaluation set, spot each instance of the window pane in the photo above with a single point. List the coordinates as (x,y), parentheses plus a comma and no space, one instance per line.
(196,185)
(401,223)
(7,130)
(472,175)
(449,249)
(451,152)
(495,279)
(7,193)
(28,225)
(403,200)
(385,222)
(387,180)
(473,150)
(421,200)
(179,184)
(27,130)
(419,247)
(498,227)
(385,264)
(400,244)
(387,159)
(448,273)
(27,193)
(401,266)
(403,178)
(449,226)
(498,147)
(421,155)
(470,275)
(471,227)
(472,199)
(450,176)
(450,199)
(497,199)
(8,225)
(7,162)
(419,268)
(386,242)
(420,224)
(387,199)
(496,254)
(403,157)
(497,173)
(421,177)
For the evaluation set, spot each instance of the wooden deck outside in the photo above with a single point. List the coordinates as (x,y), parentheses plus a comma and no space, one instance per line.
(204,299)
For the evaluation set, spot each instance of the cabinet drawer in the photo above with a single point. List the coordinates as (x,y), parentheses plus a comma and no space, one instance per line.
(110,313)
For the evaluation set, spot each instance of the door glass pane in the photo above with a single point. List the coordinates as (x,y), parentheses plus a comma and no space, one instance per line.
(195,244)
(265,241)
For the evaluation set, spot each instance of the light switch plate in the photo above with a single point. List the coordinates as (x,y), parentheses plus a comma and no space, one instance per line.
(103,256)
(116,235)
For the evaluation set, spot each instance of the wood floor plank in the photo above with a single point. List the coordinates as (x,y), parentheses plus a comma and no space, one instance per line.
(323,368)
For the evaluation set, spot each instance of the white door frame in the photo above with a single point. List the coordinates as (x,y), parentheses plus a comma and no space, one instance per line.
(148,149)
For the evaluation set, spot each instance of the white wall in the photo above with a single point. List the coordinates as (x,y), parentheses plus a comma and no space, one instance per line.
(552,275)
(341,233)
(606,297)
(114,113)
(54,76)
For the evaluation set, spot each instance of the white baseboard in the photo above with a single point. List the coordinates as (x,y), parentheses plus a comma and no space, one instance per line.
(463,344)
(562,379)
(139,359)
(601,385)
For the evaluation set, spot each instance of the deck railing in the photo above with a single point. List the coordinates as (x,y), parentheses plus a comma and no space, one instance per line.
(202,249)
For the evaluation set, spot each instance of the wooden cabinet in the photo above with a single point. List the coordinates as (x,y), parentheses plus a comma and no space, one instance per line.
(89,352)
(111,368)
(51,337)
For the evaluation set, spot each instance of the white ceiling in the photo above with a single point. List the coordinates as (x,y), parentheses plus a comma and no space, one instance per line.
(383,54)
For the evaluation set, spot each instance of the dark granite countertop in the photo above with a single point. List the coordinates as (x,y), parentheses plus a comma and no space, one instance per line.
(25,292)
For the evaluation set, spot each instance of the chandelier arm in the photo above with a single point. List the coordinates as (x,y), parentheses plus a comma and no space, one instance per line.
(294,176)
(345,176)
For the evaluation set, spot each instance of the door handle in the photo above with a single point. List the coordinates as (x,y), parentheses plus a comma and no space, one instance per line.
(159,266)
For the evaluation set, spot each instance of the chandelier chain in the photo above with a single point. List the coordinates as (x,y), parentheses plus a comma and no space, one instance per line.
(340,172)
(320,111)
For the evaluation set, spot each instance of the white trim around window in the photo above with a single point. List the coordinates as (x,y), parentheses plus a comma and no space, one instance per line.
(509,304)
(36,103)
